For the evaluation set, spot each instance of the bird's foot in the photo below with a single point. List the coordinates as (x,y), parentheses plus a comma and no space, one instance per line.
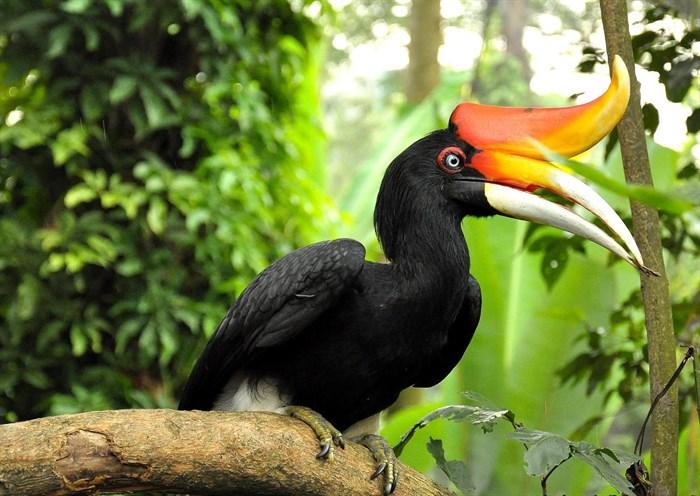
(328,436)
(383,454)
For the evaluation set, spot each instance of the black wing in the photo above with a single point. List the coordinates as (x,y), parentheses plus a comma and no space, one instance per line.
(279,304)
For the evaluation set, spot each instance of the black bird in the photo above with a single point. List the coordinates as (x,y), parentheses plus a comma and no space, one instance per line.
(324,334)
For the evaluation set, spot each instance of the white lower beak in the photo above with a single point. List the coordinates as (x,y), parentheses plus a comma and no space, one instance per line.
(526,206)
(579,192)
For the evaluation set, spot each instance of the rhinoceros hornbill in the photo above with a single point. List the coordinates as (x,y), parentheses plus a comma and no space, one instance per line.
(332,339)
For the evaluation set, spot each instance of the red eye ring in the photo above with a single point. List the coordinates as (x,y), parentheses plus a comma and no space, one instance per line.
(451,159)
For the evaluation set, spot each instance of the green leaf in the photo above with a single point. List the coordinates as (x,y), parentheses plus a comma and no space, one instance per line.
(59,37)
(484,418)
(103,246)
(156,215)
(92,37)
(129,267)
(68,143)
(546,450)
(608,464)
(91,103)
(37,378)
(455,470)
(76,6)
(148,339)
(78,340)
(127,331)
(122,88)
(292,46)
(644,194)
(189,318)
(554,261)
(28,294)
(168,343)
(30,21)
(80,193)
(116,7)
(158,114)
(546,454)
(529,436)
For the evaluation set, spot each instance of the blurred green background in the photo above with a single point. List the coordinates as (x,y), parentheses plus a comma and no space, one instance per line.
(154,156)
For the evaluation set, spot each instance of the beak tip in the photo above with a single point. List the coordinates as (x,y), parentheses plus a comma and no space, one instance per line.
(647,271)
(621,78)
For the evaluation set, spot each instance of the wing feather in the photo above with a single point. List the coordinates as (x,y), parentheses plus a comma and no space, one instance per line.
(279,303)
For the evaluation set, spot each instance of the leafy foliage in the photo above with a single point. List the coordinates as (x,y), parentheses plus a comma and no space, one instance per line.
(480,416)
(150,154)
(547,451)
(544,451)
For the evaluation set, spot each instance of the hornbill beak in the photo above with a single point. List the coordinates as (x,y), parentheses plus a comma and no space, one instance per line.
(508,156)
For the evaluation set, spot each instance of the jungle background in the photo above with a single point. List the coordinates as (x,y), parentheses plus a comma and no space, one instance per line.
(154,156)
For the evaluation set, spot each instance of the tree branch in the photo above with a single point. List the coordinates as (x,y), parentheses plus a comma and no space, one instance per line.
(184,452)
(647,233)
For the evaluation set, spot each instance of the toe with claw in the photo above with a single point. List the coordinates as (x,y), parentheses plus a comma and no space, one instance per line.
(328,436)
(387,463)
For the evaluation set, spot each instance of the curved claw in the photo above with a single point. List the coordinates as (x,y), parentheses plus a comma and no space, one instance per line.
(393,485)
(325,450)
(339,441)
(392,477)
(387,464)
(327,435)
(379,471)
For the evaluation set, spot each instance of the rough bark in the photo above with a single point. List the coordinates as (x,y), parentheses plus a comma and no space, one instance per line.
(646,230)
(184,452)
(426,37)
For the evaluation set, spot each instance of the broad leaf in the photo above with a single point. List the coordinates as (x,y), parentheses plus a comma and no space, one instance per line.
(455,470)
(547,450)
(546,455)
(608,463)
(123,87)
(475,415)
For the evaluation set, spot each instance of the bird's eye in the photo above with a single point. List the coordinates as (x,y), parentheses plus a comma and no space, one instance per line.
(451,159)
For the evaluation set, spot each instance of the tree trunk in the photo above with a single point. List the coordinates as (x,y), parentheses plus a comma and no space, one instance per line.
(489,9)
(426,37)
(657,307)
(184,452)
(514,19)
